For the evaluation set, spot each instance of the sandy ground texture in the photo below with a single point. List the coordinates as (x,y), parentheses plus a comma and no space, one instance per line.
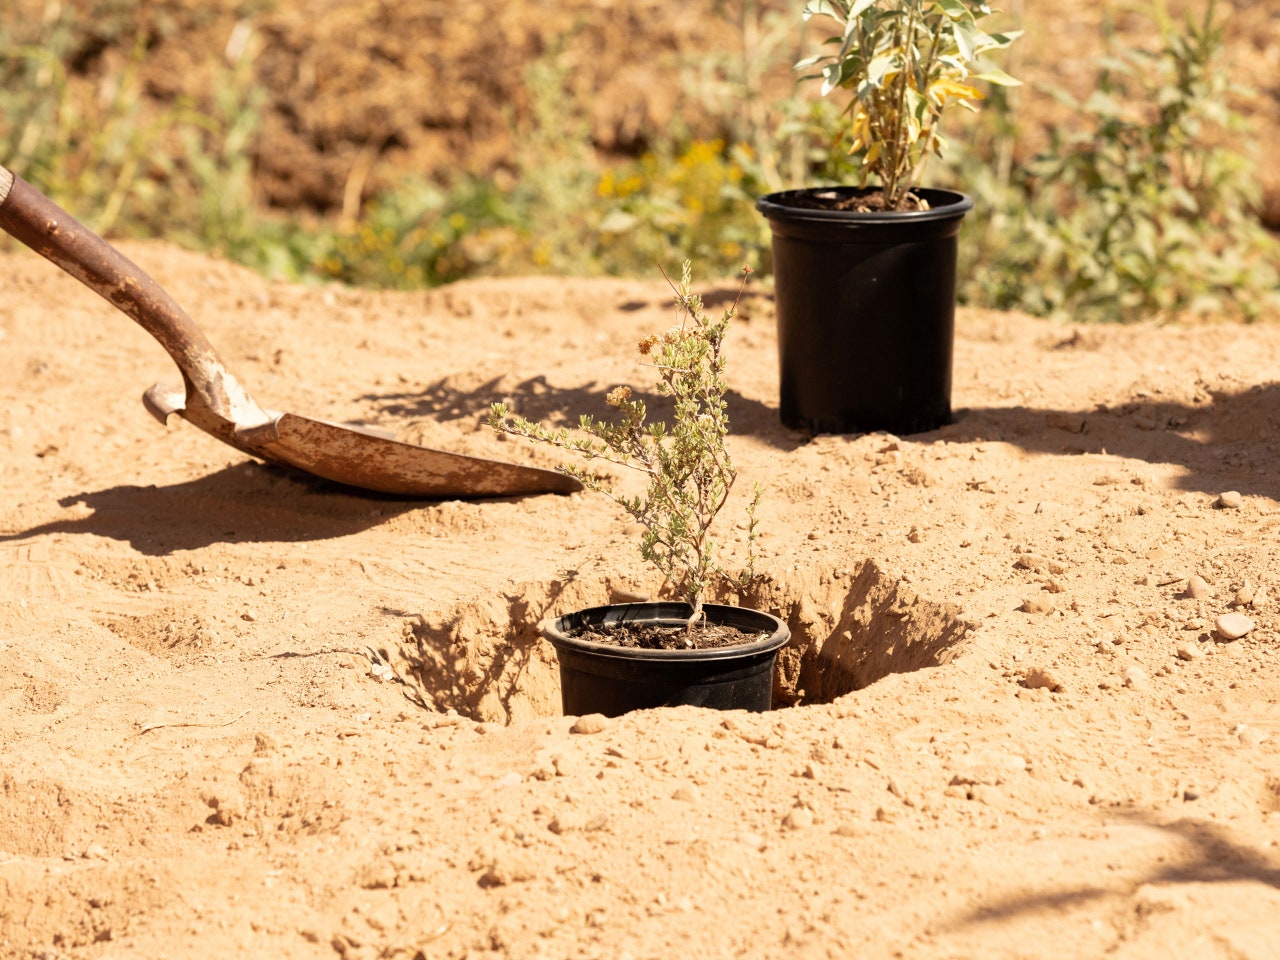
(243,713)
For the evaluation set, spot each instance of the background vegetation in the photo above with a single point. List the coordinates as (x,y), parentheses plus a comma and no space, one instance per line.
(1139,206)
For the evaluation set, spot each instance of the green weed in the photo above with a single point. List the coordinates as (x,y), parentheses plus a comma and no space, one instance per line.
(1139,211)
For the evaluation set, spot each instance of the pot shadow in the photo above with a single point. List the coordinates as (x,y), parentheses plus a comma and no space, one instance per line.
(541,402)
(247,502)
(1225,439)
(1222,439)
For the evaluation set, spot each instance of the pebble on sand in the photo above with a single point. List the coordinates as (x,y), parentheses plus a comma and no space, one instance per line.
(591,723)
(1039,678)
(1229,500)
(1232,626)
(1198,588)
(1187,650)
(1136,678)
(798,818)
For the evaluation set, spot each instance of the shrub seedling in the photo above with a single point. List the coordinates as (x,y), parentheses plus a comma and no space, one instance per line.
(690,474)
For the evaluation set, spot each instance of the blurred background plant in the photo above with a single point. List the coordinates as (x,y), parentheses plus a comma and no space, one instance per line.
(1135,208)
(88,149)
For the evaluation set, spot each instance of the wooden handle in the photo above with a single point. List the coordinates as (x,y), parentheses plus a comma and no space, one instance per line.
(35,220)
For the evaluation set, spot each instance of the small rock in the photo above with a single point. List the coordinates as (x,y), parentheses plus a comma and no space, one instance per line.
(95,851)
(1229,500)
(686,793)
(1232,626)
(1136,678)
(1244,596)
(1038,677)
(568,765)
(812,771)
(1188,650)
(1070,422)
(591,723)
(1036,605)
(798,818)
(227,809)
(1198,588)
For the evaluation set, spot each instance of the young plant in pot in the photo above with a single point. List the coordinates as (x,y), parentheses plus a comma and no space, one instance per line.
(623,657)
(866,275)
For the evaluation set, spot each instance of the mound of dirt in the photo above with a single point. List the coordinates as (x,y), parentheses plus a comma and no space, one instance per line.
(246,713)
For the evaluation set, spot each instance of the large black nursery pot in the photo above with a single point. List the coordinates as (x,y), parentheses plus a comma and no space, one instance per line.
(866,311)
(600,678)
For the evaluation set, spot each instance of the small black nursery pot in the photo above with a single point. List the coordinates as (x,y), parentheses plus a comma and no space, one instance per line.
(613,680)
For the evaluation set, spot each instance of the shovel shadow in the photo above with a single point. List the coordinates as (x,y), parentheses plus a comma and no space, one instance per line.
(244,503)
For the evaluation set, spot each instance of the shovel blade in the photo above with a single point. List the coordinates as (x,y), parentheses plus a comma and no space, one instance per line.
(359,458)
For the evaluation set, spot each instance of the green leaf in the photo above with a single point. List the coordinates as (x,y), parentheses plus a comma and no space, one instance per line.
(954,9)
(880,67)
(967,38)
(831,75)
(997,76)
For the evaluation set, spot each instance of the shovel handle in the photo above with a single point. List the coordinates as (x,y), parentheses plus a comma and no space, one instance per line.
(32,218)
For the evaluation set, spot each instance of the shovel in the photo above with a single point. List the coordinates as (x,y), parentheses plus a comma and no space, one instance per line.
(214,400)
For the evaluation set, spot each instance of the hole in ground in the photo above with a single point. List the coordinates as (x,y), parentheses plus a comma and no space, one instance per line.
(487,660)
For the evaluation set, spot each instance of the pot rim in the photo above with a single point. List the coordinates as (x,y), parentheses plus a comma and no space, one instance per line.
(949,204)
(776,633)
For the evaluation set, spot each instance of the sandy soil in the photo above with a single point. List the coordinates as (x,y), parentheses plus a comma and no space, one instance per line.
(243,713)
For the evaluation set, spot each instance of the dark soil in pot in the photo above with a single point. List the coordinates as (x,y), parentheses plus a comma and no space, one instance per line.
(860,201)
(662,636)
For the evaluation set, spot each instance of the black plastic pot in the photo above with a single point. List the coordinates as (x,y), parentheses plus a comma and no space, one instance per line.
(866,312)
(599,678)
